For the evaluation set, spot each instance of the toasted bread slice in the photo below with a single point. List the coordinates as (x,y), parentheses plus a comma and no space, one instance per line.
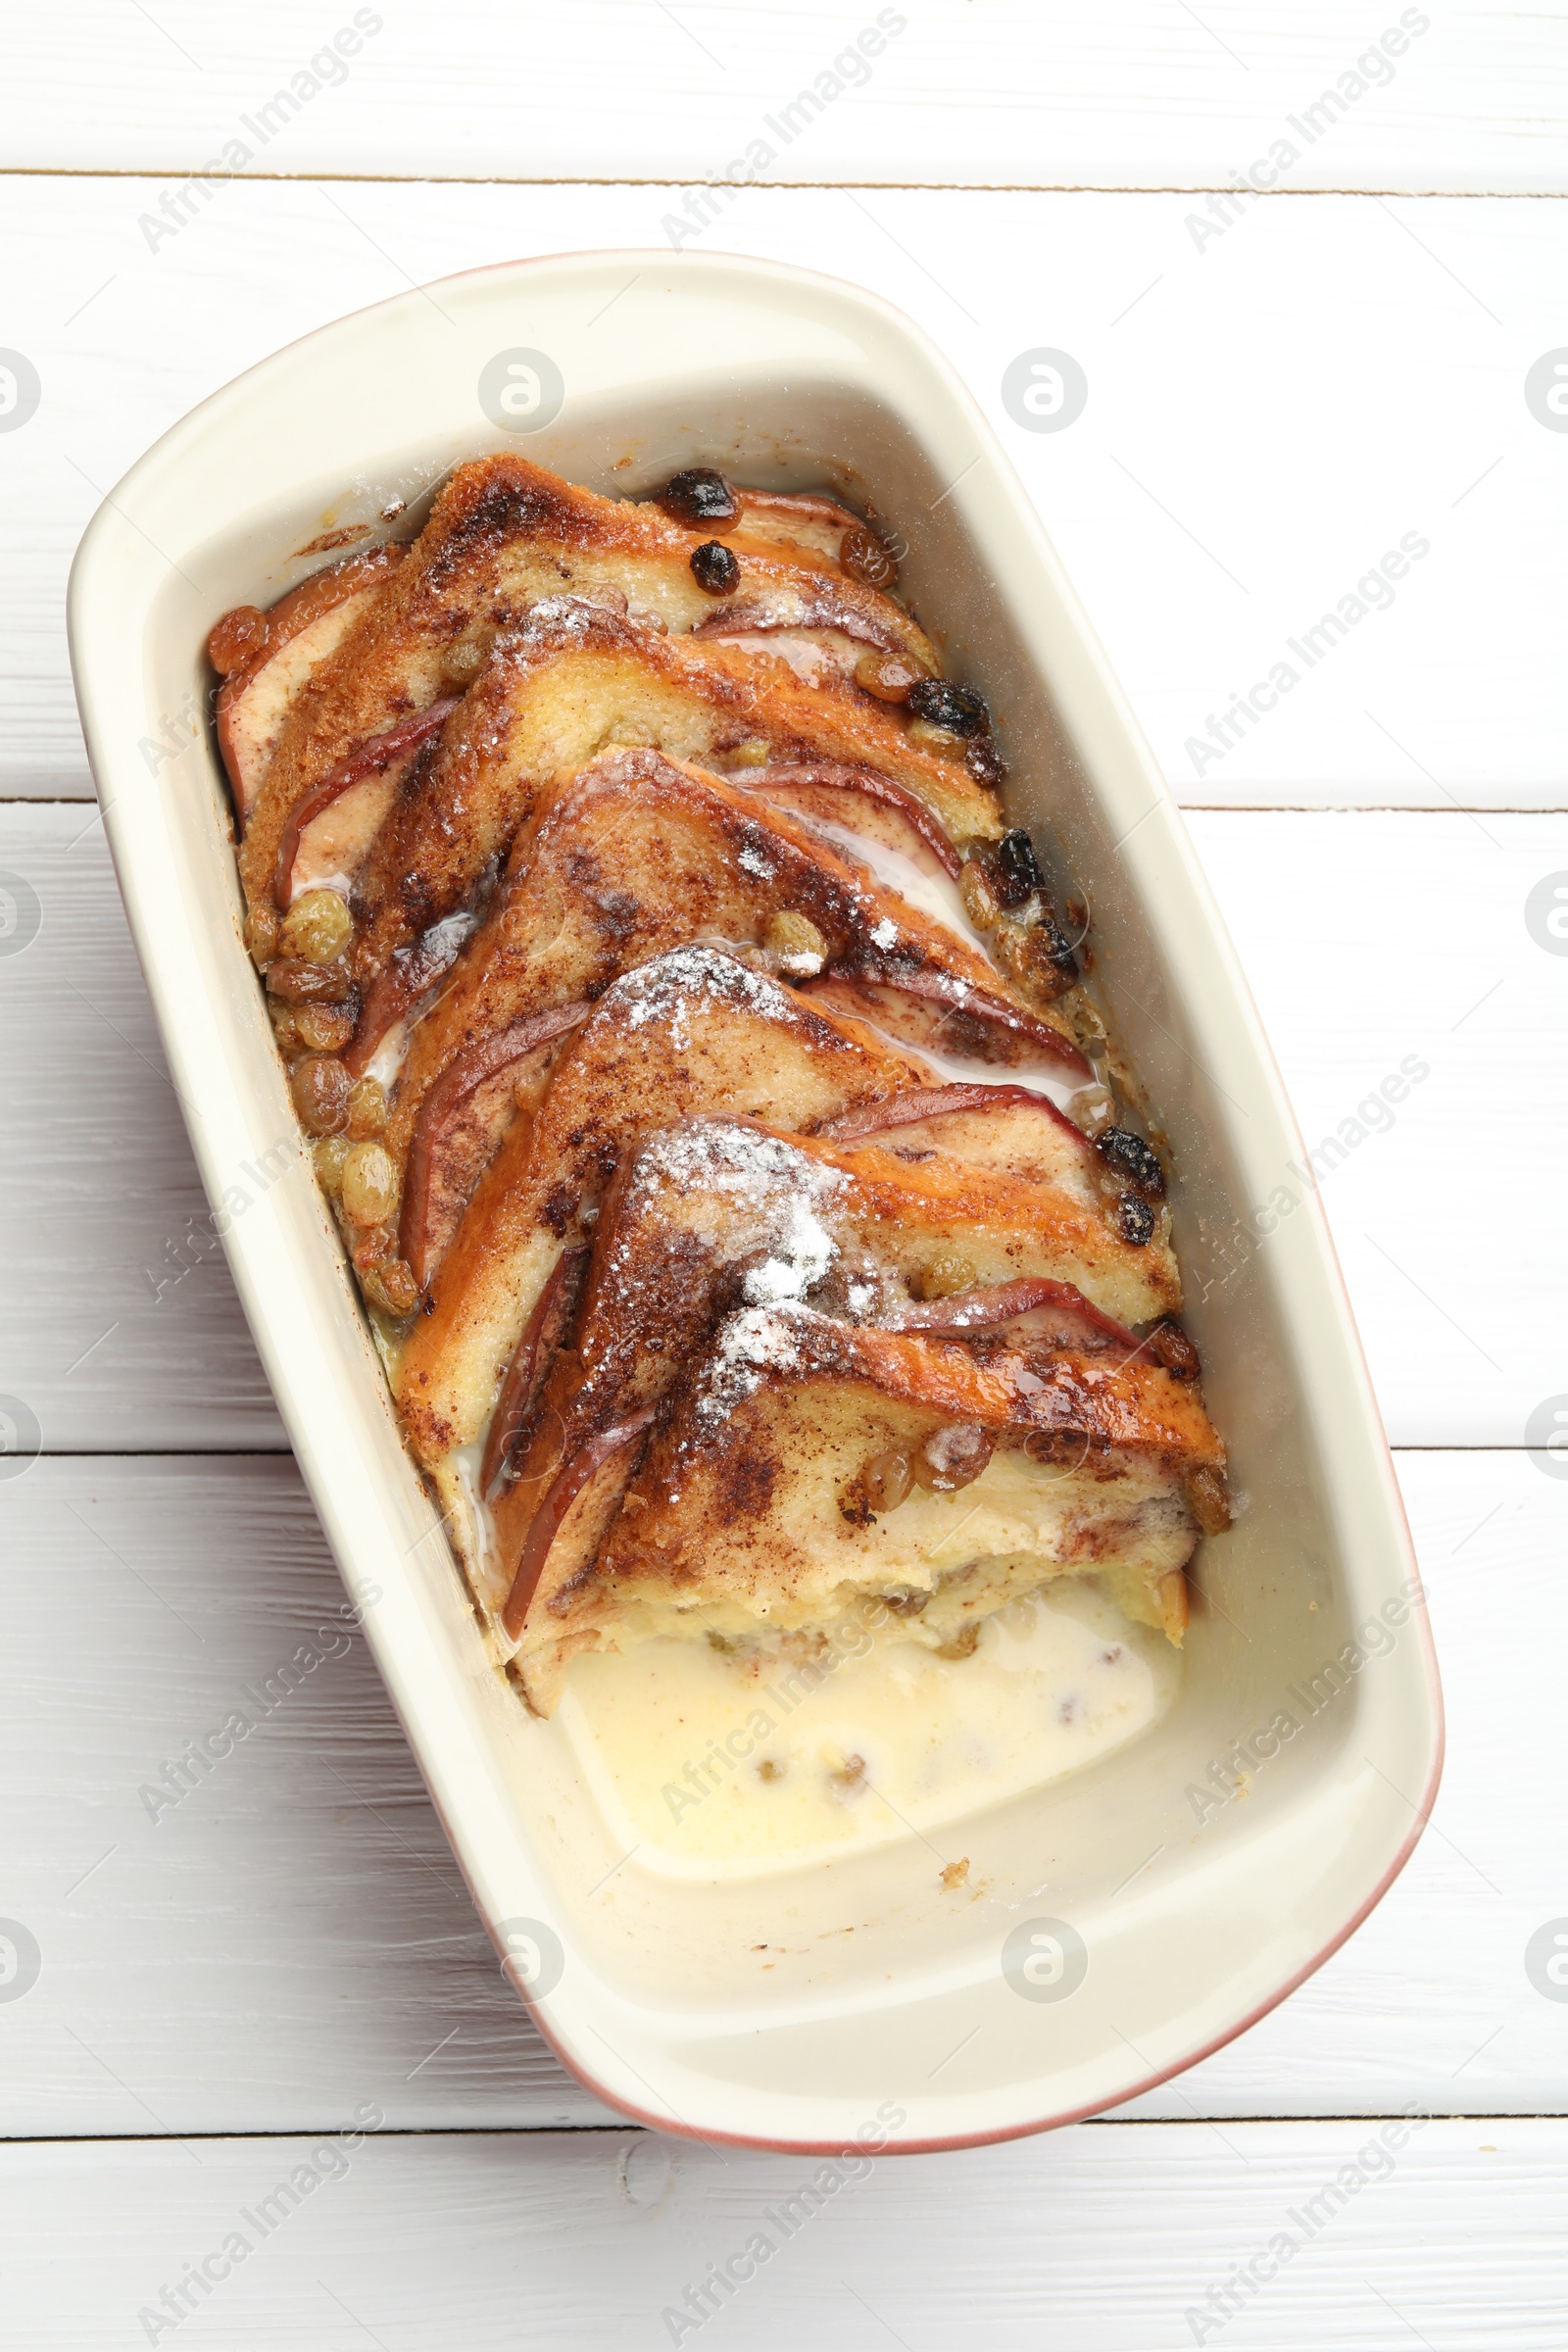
(640,857)
(718,1210)
(576,679)
(693,1032)
(752,1517)
(503,535)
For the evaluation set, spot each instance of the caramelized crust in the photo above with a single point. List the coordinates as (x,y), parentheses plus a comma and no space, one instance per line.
(695,1032)
(713,1306)
(718,1207)
(572,681)
(503,535)
(639,857)
(715,1211)
(744,1512)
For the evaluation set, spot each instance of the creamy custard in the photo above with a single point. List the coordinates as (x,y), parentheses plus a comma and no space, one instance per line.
(705,1763)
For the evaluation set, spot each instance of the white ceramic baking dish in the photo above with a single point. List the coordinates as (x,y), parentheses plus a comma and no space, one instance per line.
(924,2026)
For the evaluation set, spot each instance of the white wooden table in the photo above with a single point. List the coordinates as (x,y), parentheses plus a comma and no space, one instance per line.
(1280,388)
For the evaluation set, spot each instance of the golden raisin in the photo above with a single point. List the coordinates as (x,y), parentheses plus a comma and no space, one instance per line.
(317,926)
(865,557)
(754,752)
(323,1028)
(320,1091)
(236,639)
(886,1479)
(979,900)
(261,934)
(796,943)
(297,981)
(329,1155)
(391,1285)
(1211,1503)
(947,1275)
(952,1457)
(367,1109)
(1169,1345)
(886,676)
(370,1184)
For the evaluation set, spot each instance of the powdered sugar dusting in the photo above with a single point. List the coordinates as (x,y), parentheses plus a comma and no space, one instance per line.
(778,1196)
(756,1341)
(669,989)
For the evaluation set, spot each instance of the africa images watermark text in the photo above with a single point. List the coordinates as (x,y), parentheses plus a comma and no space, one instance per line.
(851,70)
(1374,592)
(327,70)
(1373,69)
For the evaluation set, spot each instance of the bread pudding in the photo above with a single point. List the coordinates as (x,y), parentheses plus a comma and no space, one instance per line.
(754,1218)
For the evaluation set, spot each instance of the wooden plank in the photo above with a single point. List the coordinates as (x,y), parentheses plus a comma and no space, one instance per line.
(1095,2240)
(1372,942)
(1133,95)
(295,1927)
(120,1327)
(1269,413)
(292,1935)
(1380,942)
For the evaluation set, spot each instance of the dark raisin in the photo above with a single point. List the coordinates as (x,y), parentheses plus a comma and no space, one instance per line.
(1019,874)
(1057,946)
(700,495)
(1132,1159)
(942,704)
(714,569)
(1170,1346)
(1135,1219)
(985,762)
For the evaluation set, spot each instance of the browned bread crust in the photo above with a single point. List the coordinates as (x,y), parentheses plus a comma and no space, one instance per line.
(576,679)
(747,1507)
(711,1301)
(503,535)
(691,1033)
(640,856)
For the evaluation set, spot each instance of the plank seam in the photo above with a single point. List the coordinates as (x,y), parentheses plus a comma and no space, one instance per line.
(1092,2123)
(934,187)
